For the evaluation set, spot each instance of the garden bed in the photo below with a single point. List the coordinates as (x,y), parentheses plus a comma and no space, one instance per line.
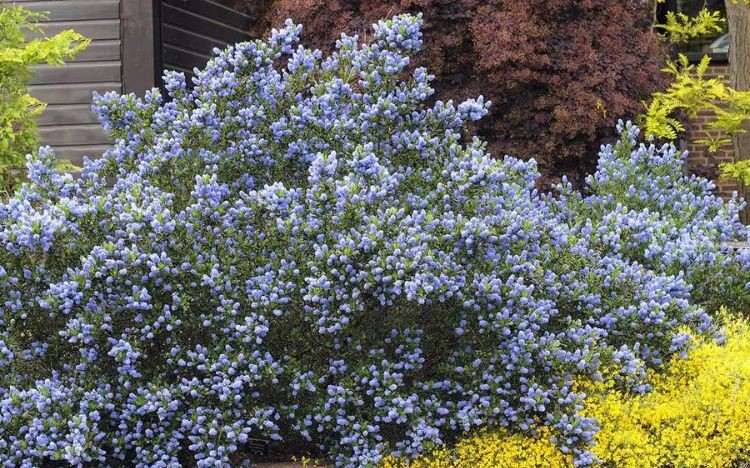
(313,250)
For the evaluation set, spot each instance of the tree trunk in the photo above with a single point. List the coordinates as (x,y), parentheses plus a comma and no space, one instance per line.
(738,18)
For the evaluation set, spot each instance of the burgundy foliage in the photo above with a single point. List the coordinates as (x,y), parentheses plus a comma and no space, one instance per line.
(559,72)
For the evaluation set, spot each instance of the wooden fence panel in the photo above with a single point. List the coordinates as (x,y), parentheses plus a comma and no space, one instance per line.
(191,29)
(133,41)
(68,125)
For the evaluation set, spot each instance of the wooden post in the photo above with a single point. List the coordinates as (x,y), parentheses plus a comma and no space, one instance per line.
(139,30)
(738,17)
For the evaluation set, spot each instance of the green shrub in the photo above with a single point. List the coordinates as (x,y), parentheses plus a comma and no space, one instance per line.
(18,109)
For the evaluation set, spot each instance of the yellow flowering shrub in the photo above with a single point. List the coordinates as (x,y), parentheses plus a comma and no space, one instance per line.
(493,449)
(698,415)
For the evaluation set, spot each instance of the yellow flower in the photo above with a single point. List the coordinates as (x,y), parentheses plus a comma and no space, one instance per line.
(698,415)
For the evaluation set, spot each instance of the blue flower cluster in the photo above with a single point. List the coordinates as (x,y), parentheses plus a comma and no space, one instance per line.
(308,247)
(641,206)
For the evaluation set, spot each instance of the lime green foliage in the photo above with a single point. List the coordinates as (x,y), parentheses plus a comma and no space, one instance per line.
(738,170)
(682,28)
(18,135)
(692,93)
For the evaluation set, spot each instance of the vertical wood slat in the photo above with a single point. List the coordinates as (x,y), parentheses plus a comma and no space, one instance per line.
(139,69)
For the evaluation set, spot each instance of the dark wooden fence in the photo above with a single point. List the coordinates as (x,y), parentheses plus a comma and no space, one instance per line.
(191,29)
(133,41)
(68,123)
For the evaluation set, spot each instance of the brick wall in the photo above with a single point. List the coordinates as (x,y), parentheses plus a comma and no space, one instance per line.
(700,160)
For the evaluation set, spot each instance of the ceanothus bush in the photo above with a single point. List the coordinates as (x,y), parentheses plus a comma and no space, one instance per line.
(640,205)
(302,247)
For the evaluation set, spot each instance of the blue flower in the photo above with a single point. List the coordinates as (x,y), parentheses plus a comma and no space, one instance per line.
(299,246)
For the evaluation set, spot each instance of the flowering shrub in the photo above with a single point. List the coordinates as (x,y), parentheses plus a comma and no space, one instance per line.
(558,71)
(698,415)
(299,247)
(643,208)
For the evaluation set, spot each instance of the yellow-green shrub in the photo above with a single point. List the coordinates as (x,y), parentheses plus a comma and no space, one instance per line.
(692,93)
(698,415)
(18,109)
